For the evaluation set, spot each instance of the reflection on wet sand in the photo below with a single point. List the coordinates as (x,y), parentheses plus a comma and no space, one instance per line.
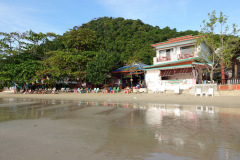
(180,132)
(149,131)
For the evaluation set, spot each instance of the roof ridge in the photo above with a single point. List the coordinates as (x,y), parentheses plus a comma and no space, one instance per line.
(175,40)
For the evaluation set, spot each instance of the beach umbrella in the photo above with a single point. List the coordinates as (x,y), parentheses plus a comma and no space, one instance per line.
(135,67)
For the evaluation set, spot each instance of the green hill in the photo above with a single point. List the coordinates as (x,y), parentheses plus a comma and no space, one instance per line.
(130,38)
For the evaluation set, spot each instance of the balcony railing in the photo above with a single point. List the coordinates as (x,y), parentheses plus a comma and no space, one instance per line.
(163,58)
(185,55)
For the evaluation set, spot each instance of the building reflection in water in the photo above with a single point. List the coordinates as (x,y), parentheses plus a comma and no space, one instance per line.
(206,131)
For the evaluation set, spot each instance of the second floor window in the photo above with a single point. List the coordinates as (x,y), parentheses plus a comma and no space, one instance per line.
(168,52)
(187,49)
(161,52)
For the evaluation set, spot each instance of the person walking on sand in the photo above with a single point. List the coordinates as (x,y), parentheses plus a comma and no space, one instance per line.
(14,89)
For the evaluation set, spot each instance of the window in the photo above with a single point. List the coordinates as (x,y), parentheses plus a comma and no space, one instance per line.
(161,52)
(187,49)
(168,52)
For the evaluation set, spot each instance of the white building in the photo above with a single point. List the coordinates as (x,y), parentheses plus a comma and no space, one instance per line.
(175,64)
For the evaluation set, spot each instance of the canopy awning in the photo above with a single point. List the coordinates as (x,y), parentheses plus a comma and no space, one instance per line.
(172,72)
(171,63)
(136,68)
(172,67)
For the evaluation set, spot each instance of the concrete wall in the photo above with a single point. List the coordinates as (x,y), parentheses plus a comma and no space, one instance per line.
(152,79)
(205,87)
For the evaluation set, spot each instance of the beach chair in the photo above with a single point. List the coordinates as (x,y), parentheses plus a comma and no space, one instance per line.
(113,90)
(176,89)
(118,89)
(53,91)
(97,89)
(44,91)
(88,90)
(198,92)
(94,90)
(68,89)
(75,90)
(105,90)
(209,92)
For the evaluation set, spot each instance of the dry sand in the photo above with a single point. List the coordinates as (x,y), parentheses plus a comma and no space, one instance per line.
(163,98)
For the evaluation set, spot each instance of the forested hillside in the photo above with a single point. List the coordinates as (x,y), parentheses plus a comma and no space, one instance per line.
(131,38)
(86,52)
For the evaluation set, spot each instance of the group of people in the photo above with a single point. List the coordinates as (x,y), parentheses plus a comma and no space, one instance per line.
(39,91)
(129,90)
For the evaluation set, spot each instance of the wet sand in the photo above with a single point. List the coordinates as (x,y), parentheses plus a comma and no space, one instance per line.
(77,136)
(84,133)
(163,98)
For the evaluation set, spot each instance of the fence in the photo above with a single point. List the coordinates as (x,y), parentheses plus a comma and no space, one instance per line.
(228,81)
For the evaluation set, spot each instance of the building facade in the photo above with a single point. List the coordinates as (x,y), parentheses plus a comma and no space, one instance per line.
(176,63)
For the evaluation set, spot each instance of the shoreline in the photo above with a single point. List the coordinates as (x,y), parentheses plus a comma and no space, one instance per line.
(162,98)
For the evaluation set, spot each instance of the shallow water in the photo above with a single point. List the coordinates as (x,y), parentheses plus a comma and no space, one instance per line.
(148,131)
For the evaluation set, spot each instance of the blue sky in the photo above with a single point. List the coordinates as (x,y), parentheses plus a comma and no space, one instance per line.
(59,16)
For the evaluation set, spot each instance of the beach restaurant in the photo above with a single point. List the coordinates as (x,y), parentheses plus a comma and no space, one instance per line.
(175,65)
(129,75)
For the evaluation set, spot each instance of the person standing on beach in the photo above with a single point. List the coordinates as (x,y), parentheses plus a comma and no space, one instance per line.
(14,89)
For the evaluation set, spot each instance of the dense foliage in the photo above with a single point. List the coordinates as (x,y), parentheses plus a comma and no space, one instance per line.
(99,67)
(88,51)
(131,39)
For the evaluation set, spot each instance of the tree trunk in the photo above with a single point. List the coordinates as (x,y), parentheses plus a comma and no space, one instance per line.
(211,75)
(222,72)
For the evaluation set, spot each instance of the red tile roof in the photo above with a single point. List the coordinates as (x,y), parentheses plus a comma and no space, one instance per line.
(178,39)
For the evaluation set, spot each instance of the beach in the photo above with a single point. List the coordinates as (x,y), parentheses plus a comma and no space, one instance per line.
(225,100)
(93,132)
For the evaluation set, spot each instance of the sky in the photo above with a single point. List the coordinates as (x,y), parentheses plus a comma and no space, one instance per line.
(59,16)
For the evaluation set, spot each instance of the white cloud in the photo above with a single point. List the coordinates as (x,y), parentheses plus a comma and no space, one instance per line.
(18,18)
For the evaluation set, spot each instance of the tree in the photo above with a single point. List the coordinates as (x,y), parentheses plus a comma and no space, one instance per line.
(71,60)
(7,43)
(100,66)
(130,38)
(65,64)
(81,39)
(19,68)
(220,44)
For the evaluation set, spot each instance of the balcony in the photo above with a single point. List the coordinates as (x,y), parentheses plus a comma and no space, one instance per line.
(185,55)
(163,58)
